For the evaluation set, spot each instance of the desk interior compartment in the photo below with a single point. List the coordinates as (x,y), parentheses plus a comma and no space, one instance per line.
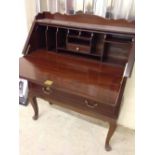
(38,39)
(61,38)
(98,43)
(51,33)
(117,49)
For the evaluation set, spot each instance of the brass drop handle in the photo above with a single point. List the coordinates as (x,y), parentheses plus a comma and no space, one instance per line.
(47,88)
(90,105)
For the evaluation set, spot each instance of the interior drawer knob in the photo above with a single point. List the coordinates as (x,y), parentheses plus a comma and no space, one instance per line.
(77,48)
(92,105)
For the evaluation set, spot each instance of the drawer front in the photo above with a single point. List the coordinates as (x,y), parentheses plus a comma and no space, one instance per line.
(78,47)
(71,100)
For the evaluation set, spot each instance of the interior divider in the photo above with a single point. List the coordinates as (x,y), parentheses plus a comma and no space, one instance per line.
(46,36)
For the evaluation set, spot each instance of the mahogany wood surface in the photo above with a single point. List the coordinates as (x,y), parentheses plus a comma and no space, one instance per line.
(100,82)
(111,28)
(86,18)
(87,58)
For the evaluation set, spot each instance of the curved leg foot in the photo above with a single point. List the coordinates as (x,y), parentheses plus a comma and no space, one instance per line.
(50,103)
(112,128)
(108,147)
(35,107)
(35,117)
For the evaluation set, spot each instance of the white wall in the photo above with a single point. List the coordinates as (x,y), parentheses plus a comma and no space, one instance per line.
(12,37)
(127,115)
(30,11)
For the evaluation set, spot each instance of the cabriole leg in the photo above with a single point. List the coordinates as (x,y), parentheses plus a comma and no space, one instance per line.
(112,128)
(34,104)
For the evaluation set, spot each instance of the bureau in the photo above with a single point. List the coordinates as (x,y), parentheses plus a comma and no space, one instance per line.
(81,61)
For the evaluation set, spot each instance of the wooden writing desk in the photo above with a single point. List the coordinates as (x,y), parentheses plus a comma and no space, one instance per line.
(83,64)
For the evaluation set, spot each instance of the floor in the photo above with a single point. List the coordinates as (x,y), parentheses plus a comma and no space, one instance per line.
(59,131)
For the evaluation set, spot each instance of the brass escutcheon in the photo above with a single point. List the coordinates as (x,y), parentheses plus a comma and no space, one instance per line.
(48,83)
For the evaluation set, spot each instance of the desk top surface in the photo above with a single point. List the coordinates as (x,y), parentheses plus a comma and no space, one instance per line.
(84,77)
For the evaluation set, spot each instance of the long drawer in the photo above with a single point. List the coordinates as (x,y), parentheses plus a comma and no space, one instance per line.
(71,100)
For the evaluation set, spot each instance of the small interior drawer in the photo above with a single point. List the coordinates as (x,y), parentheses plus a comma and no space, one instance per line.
(78,47)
